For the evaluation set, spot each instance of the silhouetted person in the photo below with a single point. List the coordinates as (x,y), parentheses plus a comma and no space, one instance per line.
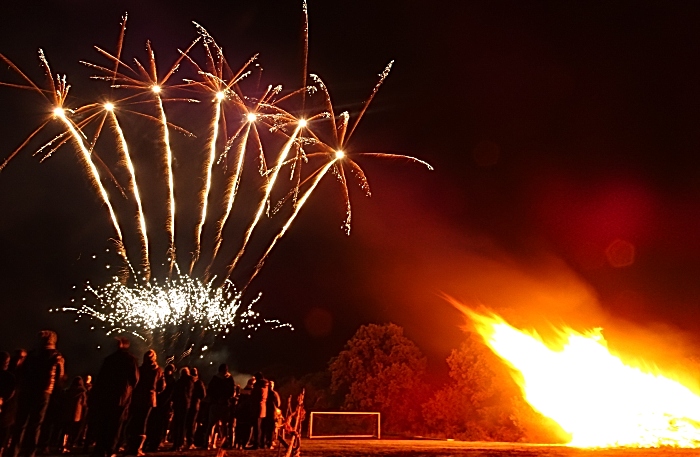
(201,435)
(17,360)
(182,396)
(91,422)
(8,384)
(75,408)
(231,424)
(219,391)
(143,400)
(38,376)
(244,416)
(199,391)
(9,407)
(51,432)
(112,390)
(157,425)
(268,423)
(259,397)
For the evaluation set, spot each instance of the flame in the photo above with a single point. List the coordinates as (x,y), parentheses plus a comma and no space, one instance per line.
(591,393)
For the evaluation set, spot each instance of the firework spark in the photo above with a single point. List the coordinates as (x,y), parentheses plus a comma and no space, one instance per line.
(266,197)
(134,188)
(231,190)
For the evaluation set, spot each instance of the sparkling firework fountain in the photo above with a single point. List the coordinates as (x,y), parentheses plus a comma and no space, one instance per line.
(183,310)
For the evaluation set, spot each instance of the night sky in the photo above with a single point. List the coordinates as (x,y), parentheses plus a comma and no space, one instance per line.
(564,136)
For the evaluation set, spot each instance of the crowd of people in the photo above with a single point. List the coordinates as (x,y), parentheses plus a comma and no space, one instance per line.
(128,408)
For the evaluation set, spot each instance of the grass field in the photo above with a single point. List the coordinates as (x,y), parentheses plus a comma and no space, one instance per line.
(415,448)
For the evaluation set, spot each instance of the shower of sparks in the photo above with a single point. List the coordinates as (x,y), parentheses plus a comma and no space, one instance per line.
(266,197)
(314,141)
(134,188)
(170,223)
(231,191)
(219,79)
(181,303)
(94,174)
(207,187)
(297,208)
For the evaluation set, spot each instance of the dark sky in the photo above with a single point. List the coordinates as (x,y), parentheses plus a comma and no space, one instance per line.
(564,137)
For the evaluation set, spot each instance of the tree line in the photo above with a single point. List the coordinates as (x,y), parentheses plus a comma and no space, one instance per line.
(381,370)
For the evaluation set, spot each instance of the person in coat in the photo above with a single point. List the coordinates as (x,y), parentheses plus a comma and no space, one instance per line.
(75,408)
(38,375)
(199,391)
(112,391)
(244,416)
(219,393)
(143,400)
(268,422)
(182,396)
(159,419)
(259,398)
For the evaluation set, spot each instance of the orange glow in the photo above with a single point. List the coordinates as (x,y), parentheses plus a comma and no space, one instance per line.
(591,393)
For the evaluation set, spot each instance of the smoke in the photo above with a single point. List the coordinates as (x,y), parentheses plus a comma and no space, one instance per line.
(527,282)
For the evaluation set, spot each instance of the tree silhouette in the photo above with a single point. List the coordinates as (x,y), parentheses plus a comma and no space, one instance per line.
(381,370)
(483,402)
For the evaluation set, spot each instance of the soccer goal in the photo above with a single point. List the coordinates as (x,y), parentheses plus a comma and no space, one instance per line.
(344,425)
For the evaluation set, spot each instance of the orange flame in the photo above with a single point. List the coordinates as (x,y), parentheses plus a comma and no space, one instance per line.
(591,393)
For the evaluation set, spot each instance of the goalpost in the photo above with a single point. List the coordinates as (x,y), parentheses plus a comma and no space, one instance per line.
(344,425)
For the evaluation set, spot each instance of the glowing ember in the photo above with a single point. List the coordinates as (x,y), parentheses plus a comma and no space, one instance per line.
(591,393)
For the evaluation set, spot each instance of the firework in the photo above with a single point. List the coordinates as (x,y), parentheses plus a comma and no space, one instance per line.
(179,301)
(313,143)
(181,304)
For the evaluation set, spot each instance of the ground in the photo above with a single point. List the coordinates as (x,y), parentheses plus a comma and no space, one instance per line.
(358,448)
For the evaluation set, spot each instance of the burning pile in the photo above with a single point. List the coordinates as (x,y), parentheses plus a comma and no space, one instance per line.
(591,393)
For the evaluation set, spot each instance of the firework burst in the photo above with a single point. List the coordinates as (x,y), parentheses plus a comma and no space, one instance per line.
(309,146)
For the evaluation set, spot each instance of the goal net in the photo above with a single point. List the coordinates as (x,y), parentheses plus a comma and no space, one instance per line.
(344,425)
